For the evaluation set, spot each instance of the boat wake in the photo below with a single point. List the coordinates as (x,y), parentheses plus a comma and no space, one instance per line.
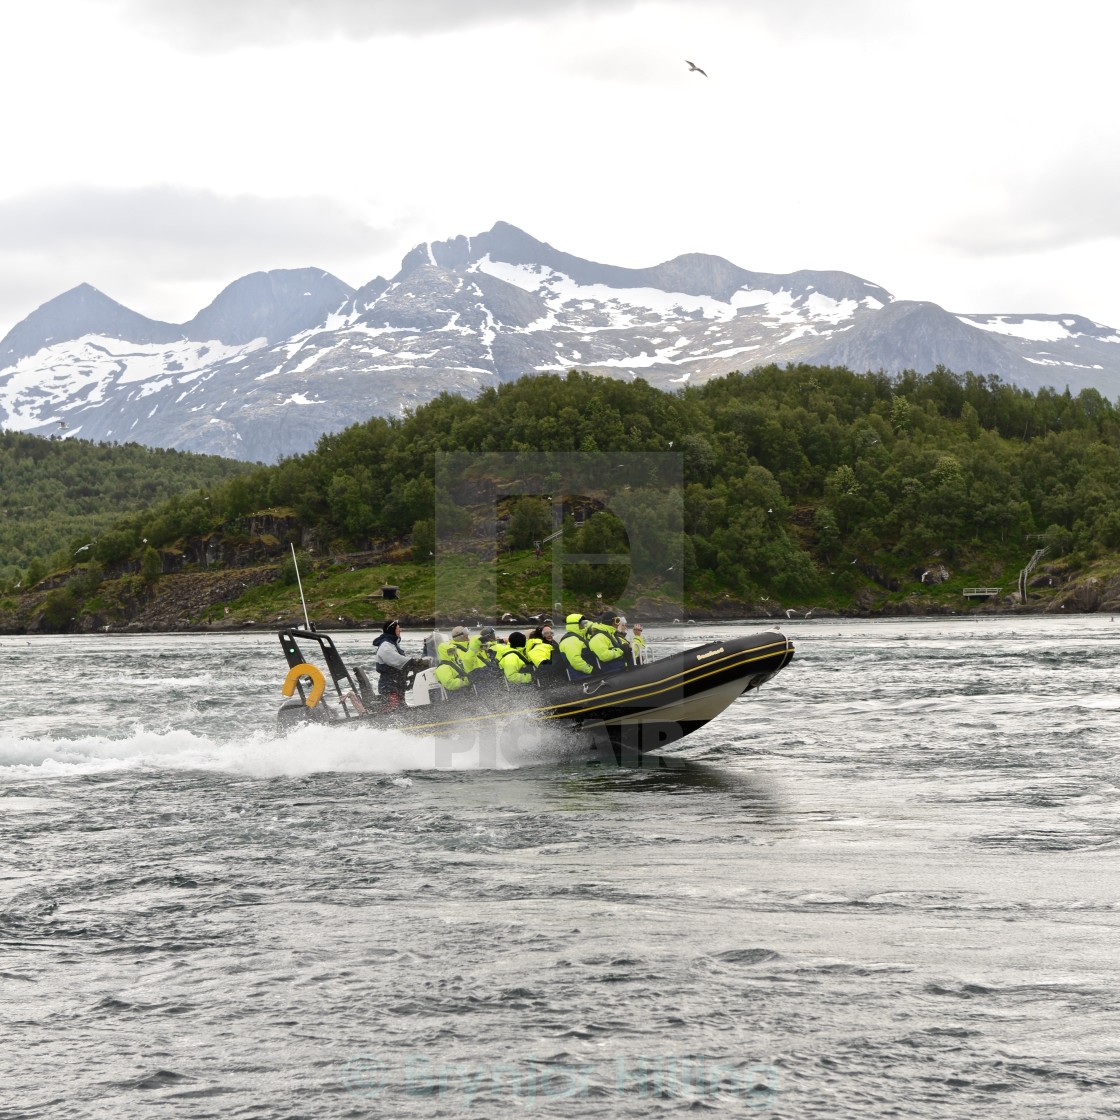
(305,750)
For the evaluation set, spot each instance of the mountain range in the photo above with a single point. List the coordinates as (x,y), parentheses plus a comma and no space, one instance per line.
(282,357)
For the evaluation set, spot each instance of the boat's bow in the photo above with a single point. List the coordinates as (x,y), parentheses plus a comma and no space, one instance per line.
(655,704)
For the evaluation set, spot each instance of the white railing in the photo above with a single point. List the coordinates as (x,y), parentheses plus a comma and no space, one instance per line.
(1027,571)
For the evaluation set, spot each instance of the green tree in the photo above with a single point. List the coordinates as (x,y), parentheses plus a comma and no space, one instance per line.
(424,541)
(60,609)
(529,522)
(826,529)
(151,565)
(902,418)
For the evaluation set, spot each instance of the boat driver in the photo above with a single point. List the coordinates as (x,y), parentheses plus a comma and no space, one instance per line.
(392,664)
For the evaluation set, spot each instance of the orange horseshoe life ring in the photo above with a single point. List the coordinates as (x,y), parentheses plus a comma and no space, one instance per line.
(318,682)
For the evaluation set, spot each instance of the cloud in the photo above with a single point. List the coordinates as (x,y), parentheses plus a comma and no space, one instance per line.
(219,25)
(1072,203)
(170,246)
(827,19)
(222,25)
(195,228)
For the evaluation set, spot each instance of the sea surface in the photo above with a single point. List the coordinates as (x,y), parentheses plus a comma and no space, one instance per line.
(885,885)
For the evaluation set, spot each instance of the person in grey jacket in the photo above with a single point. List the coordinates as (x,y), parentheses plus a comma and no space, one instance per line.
(392,664)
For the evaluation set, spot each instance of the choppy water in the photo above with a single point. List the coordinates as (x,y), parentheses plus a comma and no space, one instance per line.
(887,885)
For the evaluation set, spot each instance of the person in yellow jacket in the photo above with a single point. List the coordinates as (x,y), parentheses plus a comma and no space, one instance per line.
(575,646)
(483,661)
(622,640)
(638,645)
(482,649)
(515,662)
(609,649)
(455,661)
(543,652)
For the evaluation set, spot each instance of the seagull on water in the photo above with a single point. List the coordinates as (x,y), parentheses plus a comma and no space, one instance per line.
(692,66)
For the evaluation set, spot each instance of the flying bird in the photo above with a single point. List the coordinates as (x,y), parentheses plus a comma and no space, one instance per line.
(692,66)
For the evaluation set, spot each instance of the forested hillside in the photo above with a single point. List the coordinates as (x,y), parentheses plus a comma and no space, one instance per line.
(57,495)
(803,482)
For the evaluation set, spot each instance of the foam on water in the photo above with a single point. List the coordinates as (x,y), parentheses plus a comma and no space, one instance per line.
(305,750)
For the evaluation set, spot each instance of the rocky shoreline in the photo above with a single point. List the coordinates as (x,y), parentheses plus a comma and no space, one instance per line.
(198,602)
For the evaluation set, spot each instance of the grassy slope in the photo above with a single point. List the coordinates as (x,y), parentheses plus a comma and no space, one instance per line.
(339,597)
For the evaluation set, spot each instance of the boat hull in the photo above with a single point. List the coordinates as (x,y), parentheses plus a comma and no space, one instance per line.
(657,704)
(642,708)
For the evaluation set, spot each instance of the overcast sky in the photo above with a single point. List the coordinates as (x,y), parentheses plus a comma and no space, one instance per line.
(963,151)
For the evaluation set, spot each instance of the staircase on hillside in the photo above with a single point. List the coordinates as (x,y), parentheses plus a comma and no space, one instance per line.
(1026,572)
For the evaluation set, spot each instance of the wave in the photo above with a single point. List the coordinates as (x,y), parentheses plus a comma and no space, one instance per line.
(305,750)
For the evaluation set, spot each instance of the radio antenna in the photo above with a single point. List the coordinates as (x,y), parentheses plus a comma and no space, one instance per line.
(306,620)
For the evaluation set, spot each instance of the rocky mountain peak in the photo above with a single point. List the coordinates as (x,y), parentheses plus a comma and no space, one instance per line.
(280,358)
(270,305)
(80,311)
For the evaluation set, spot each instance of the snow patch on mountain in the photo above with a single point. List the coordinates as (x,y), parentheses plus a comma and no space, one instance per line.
(1034,330)
(41,388)
(1059,362)
(828,309)
(624,306)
